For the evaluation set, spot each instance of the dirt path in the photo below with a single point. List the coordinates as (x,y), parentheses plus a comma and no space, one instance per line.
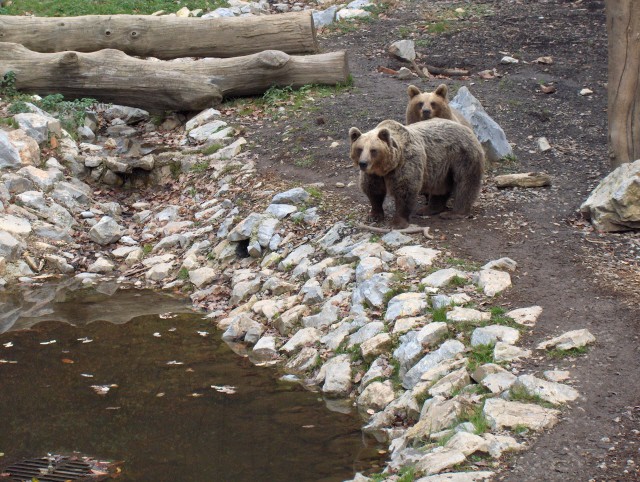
(537,228)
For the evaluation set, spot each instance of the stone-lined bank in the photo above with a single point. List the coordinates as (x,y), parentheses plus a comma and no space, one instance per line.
(392,325)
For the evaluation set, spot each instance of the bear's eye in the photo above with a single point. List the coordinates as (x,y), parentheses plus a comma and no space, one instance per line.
(359,151)
(374,152)
(433,104)
(420,104)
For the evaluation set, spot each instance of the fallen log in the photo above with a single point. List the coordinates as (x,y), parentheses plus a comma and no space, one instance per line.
(164,37)
(525,179)
(112,76)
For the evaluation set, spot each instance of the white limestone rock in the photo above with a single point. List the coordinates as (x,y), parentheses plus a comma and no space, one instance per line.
(376,396)
(303,337)
(525,316)
(505,352)
(412,257)
(489,335)
(492,281)
(569,340)
(443,277)
(404,305)
(502,414)
(459,314)
(337,377)
(552,392)
(105,231)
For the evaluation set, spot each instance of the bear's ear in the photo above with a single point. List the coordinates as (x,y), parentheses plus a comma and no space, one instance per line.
(442,91)
(354,134)
(385,136)
(412,90)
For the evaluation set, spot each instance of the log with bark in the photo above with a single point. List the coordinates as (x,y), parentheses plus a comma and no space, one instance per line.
(112,76)
(164,37)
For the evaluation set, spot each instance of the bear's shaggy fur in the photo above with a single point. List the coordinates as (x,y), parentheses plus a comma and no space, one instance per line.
(429,105)
(438,158)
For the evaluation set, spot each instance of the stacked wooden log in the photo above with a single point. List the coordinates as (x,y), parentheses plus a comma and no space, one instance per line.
(99,56)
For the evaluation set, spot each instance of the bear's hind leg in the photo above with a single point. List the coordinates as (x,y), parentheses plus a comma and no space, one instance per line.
(466,189)
(436,205)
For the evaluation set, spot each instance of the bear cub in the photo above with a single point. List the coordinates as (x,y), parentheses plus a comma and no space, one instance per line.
(439,159)
(430,105)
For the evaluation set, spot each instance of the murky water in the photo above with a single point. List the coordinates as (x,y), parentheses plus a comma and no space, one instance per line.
(161,415)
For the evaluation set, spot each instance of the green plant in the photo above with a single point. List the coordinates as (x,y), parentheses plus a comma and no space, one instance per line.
(212,149)
(200,166)
(479,355)
(306,161)
(457,281)
(571,352)
(314,192)
(183,274)
(520,394)
(440,314)
(146,249)
(66,8)
(438,27)
(407,474)
(477,418)
(8,85)
(404,31)
(520,429)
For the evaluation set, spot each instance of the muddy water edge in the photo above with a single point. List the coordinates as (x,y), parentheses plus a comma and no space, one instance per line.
(180,404)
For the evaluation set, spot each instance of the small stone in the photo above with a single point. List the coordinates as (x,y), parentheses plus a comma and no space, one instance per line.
(467,443)
(569,340)
(395,239)
(508,60)
(376,346)
(292,196)
(202,276)
(405,304)
(442,277)
(265,348)
(105,231)
(305,336)
(492,281)
(304,361)
(543,144)
(557,375)
(459,314)
(337,381)
(498,382)
(403,50)
(417,256)
(505,352)
(586,92)
(525,316)
(489,335)
(450,383)
(159,272)
(376,396)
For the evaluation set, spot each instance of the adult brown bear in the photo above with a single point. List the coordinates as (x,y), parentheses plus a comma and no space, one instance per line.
(438,158)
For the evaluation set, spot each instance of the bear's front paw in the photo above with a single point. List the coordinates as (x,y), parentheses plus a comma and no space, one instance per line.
(399,223)
(375,216)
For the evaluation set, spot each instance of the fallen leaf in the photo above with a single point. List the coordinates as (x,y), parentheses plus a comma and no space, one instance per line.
(67,360)
(547,89)
(228,389)
(386,70)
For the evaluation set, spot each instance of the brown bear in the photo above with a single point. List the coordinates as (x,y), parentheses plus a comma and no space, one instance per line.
(439,158)
(430,105)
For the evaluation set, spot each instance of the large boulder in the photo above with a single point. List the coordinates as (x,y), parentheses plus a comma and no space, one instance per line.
(489,133)
(9,154)
(614,205)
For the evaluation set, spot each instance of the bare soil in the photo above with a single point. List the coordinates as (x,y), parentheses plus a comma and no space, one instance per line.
(581,278)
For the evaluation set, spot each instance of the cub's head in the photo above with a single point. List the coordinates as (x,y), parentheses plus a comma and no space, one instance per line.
(427,105)
(373,151)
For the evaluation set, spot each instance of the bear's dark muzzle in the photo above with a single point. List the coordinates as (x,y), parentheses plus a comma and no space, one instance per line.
(426,113)
(363,165)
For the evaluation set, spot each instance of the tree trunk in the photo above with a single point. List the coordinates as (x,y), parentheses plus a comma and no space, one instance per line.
(164,37)
(623,29)
(112,76)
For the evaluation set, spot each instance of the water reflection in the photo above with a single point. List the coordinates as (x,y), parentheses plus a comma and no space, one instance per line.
(164,420)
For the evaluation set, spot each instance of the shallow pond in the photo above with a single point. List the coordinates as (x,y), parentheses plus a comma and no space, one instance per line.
(160,415)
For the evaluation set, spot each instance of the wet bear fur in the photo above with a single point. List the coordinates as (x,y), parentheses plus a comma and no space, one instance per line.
(438,158)
(430,105)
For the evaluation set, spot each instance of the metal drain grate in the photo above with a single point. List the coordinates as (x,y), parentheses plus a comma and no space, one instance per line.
(54,469)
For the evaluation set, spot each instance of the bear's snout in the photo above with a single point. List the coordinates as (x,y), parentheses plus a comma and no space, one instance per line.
(426,113)
(363,165)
